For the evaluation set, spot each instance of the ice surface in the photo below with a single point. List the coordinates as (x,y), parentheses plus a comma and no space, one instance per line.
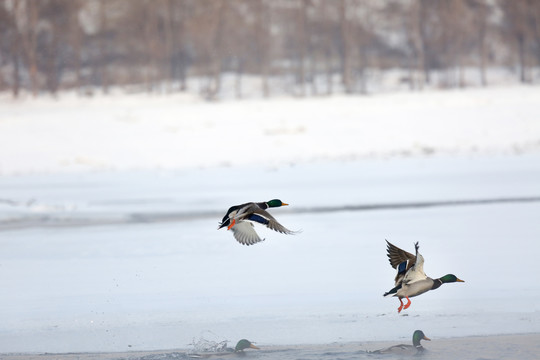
(157,285)
(501,347)
(131,259)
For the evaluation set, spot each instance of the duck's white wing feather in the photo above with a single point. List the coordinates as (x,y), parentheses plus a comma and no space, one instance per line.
(245,234)
(416,272)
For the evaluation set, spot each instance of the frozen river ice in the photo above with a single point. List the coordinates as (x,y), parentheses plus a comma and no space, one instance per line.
(73,280)
(109,208)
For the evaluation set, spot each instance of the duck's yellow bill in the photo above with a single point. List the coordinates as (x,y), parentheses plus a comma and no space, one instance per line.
(426,338)
(253,347)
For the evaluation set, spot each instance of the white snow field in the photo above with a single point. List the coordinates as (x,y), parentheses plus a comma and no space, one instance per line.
(109,209)
(122,132)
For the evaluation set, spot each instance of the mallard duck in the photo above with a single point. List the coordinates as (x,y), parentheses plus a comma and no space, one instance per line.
(411,280)
(244,344)
(240,219)
(239,349)
(405,349)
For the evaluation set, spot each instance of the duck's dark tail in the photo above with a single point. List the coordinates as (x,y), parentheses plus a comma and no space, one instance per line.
(224,223)
(393,291)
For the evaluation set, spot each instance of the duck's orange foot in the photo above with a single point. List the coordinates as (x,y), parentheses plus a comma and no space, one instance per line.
(408,303)
(232,224)
(400,306)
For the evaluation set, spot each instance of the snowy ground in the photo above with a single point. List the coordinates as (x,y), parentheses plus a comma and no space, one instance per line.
(171,132)
(121,252)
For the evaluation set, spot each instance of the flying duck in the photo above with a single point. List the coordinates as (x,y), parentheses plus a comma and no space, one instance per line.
(411,280)
(240,219)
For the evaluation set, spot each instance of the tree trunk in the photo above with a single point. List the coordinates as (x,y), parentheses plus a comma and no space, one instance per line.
(16,86)
(328,70)
(30,44)
(151,36)
(345,51)
(423,42)
(481,15)
(521,56)
(52,74)
(483,54)
(180,54)
(15,51)
(214,86)
(104,80)
(263,44)
(76,41)
(238,80)
(301,48)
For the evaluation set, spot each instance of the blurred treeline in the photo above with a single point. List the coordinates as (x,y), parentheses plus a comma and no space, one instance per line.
(314,46)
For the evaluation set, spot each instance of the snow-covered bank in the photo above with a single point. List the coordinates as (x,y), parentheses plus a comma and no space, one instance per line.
(175,132)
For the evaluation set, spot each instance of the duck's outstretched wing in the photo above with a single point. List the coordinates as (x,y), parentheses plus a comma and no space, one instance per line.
(245,234)
(404,262)
(397,256)
(253,212)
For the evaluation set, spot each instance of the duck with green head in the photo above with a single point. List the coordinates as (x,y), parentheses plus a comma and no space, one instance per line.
(240,219)
(244,344)
(404,349)
(411,280)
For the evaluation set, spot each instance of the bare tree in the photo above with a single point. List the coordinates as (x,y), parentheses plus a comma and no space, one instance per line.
(209,29)
(169,30)
(330,31)
(414,44)
(519,15)
(103,56)
(535,25)
(263,43)
(29,43)
(480,23)
(15,49)
(346,44)
(426,30)
(162,42)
